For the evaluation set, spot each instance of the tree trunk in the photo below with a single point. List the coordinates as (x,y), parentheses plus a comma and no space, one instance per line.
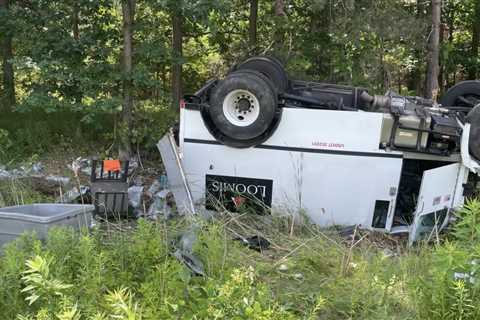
(279,35)
(177,44)
(415,75)
(319,31)
(473,68)
(77,93)
(279,8)
(441,64)
(431,81)
(75,21)
(253,25)
(451,32)
(128,12)
(7,66)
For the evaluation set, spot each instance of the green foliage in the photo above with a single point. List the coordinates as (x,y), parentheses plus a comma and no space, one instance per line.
(68,72)
(240,297)
(76,276)
(467,228)
(5,143)
(449,289)
(39,283)
(18,191)
(132,275)
(122,306)
(448,286)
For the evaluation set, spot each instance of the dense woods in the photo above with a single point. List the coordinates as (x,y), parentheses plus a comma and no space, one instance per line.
(115,68)
(86,80)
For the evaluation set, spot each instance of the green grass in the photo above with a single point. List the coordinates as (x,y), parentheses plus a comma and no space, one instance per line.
(19,191)
(307,274)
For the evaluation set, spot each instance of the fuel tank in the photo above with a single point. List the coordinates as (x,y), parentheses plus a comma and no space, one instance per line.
(405,138)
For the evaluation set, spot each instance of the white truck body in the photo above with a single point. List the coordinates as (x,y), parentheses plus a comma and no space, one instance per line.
(327,164)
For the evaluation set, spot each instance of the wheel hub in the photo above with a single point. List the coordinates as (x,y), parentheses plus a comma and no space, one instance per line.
(241,107)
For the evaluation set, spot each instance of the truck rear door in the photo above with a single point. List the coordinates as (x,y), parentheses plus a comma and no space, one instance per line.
(440,192)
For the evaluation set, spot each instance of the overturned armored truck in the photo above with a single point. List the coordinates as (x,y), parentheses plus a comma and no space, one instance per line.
(257,139)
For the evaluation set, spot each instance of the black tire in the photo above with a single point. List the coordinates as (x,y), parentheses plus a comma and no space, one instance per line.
(271,68)
(463,94)
(261,128)
(474,119)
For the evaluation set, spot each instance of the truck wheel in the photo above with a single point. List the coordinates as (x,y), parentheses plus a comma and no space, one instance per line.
(243,107)
(271,68)
(474,119)
(463,94)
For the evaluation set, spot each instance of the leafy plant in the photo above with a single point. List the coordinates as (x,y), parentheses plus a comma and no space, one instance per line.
(467,228)
(5,143)
(39,282)
(122,305)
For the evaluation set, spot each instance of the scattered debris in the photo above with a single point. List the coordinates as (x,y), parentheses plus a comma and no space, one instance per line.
(81,165)
(64,181)
(74,195)
(148,194)
(4,173)
(17,173)
(154,188)
(388,253)
(468,277)
(158,184)
(187,239)
(464,276)
(298,276)
(283,268)
(37,168)
(184,251)
(138,181)
(347,232)
(133,165)
(192,262)
(256,243)
(135,196)
(161,205)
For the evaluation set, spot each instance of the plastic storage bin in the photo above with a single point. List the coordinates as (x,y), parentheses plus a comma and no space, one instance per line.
(40,218)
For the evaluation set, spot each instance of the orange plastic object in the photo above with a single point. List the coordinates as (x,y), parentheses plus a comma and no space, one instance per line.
(111,165)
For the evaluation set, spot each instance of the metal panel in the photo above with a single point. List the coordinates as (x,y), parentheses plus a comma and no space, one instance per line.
(329,188)
(437,196)
(176,177)
(343,190)
(437,189)
(467,159)
(306,128)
